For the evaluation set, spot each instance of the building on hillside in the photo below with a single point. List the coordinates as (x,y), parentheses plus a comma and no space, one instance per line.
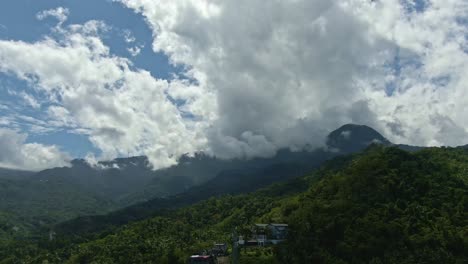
(278,233)
(219,249)
(263,234)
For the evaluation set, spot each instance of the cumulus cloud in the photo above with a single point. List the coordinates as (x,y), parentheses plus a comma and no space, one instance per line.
(282,71)
(18,154)
(428,77)
(290,71)
(124,111)
(258,76)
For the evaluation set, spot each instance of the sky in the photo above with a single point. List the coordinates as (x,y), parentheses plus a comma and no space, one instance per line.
(233,78)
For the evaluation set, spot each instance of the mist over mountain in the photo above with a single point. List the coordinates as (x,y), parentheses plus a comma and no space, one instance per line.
(223,177)
(353,138)
(120,178)
(58,194)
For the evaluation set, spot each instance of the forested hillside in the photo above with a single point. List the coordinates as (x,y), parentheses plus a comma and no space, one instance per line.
(29,205)
(129,185)
(387,206)
(383,206)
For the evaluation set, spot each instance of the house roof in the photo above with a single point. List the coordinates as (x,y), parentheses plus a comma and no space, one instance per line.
(274,225)
(279,225)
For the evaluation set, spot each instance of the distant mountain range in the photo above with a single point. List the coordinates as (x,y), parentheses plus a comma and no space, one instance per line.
(234,177)
(58,194)
(11,174)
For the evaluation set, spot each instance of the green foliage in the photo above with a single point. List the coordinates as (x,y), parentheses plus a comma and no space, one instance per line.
(30,205)
(388,206)
(383,206)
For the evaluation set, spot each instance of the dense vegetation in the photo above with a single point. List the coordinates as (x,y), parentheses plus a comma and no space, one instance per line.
(383,206)
(38,200)
(32,201)
(388,206)
(27,206)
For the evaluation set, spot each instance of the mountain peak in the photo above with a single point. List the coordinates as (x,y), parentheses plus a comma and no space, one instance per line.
(352,138)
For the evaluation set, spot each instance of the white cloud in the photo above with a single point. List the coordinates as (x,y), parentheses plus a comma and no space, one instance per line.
(346,134)
(128,36)
(18,154)
(122,110)
(60,117)
(264,75)
(129,39)
(30,100)
(283,71)
(289,71)
(429,102)
(135,51)
(60,13)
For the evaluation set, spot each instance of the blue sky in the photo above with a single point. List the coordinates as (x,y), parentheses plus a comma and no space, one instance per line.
(18,22)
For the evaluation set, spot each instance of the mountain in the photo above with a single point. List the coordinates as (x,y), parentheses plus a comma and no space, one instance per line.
(244,179)
(108,179)
(59,194)
(39,203)
(128,180)
(201,168)
(232,177)
(352,138)
(11,174)
(384,205)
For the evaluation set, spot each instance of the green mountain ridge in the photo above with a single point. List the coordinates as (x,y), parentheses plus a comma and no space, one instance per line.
(385,205)
(256,174)
(130,185)
(11,174)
